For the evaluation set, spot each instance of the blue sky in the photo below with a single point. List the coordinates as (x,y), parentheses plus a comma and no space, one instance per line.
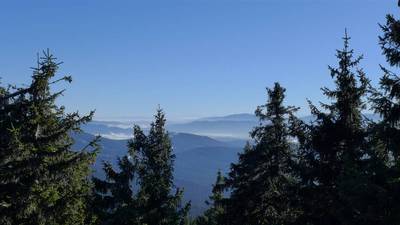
(193,57)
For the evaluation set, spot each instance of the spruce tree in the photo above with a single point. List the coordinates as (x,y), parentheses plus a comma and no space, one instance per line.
(386,100)
(114,200)
(159,200)
(148,166)
(333,150)
(262,184)
(42,180)
(386,132)
(216,211)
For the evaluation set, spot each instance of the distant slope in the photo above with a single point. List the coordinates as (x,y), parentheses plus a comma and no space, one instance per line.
(184,141)
(202,164)
(231,126)
(110,150)
(233,117)
(234,127)
(199,167)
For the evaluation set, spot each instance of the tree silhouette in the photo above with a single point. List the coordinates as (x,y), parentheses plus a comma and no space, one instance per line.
(261,183)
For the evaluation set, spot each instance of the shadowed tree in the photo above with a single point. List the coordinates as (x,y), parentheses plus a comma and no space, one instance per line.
(261,183)
(149,167)
(386,100)
(333,150)
(114,200)
(385,155)
(214,215)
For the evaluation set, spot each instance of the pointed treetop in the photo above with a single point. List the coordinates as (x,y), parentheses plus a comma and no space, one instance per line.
(346,39)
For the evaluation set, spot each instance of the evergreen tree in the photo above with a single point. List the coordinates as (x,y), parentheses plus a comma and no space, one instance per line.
(261,183)
(386,132)
(333,150)
(386,100)
(214,215)
(114,200)
(42,181)
(155,176)
(390,40)
(149,167)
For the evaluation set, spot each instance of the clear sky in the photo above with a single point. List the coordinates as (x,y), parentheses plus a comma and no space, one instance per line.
(193,57)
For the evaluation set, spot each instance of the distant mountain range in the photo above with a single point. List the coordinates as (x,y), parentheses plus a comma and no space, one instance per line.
(231,127)
(202,147)
(236,126)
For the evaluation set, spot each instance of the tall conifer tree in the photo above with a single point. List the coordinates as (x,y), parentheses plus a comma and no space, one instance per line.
(42,181)
(155,176)
(386,132)
(114,200)
(261,183)
(149,167)
(333,149)
(386,100)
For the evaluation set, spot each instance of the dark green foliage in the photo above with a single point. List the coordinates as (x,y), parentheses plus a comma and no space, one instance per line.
(261,183)
(386,100)
(155,176)
(215,214)
(334,187)
(149,164)
(42,181)
(390,40)
(385,140)
(386,133)
(114,200)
